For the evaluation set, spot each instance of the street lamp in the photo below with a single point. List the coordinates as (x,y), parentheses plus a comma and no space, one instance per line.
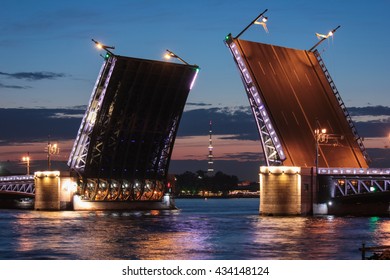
(324,37)
(52,149)
(169,54)
(260,19)
(27,160)
(320,136)
(104,47)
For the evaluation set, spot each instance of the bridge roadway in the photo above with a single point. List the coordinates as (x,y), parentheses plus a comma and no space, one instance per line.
(300,99)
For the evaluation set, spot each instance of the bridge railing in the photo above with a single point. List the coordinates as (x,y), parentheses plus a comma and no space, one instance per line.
(23,184)
(358,139)
(352,181)
(16,178)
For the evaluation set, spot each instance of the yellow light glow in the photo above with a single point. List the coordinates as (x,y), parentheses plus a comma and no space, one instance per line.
(99,46)
(41,174)
(323,130)
(167,56)
(280,169)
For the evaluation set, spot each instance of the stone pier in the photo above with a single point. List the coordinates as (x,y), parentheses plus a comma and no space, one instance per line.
(286,190)
(54,190)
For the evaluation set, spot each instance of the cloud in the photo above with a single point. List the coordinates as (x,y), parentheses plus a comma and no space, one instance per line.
(13,86)
(369,111)
(62,115)
(34,76)
(237,122)
(200,104)
(34,125)
(229,123)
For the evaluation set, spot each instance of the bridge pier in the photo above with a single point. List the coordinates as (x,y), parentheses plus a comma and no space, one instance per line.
(53,190)
(286,190)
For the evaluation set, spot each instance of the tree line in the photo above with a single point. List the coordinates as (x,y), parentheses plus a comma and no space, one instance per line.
(189,183)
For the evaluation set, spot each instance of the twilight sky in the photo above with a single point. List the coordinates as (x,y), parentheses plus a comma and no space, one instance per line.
(49,63)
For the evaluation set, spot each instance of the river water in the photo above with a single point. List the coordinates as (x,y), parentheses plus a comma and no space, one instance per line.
(212,229)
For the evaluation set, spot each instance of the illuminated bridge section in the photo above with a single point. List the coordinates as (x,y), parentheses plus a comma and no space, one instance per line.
(356,181)
(17,185)
(291,95)
(124,144)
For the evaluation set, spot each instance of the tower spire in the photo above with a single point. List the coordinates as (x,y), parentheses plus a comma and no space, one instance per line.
(210,168)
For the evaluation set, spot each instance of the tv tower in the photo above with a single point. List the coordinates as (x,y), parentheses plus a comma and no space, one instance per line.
(210,168)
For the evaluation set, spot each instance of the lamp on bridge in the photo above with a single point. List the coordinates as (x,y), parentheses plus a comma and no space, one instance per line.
(323,37)
(169,54)
(104,47)
(260,19)
(320,136)
(27,160)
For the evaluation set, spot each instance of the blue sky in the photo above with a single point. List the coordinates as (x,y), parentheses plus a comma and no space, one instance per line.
(48,60)
(55,37)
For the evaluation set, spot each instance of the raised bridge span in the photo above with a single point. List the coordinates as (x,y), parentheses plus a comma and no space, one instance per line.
(303,122)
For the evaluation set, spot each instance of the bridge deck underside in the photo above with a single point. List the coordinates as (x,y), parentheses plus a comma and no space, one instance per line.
(137,120)
(299,100)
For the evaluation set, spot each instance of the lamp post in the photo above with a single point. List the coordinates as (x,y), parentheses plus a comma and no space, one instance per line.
(324,37)
(52,149)
(260,17)
(104,47)
(27,160)
(171,54)
(320,136)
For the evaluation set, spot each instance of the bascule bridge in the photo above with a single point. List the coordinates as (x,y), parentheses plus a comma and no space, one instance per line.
(124,144)
(314,156)
(121,155)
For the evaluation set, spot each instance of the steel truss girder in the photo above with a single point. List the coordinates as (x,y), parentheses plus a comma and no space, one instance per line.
(271,145)
(97,189)
(345,186)
(358,139)
(78,156)
(18,184)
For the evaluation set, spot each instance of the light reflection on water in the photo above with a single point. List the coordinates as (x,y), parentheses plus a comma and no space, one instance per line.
(212,229)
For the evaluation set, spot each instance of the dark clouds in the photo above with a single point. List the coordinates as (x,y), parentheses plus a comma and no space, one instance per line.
(369,111)
(34,125)
(229,121)
(24,125)
(13,86)
(34,76)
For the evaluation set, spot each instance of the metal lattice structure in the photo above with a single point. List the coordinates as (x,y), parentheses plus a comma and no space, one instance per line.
(124,144)
(356,181)
(342,105)
(19,185)
(272,148)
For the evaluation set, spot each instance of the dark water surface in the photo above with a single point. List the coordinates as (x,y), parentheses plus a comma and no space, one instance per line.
(202,229)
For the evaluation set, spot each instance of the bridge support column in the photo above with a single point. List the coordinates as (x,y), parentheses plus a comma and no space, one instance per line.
(53,190)
(286,190)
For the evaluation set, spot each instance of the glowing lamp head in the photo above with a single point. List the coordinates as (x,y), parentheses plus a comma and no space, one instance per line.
(99,46)
(169,55)
(264,19)
(330,33)
(323,130)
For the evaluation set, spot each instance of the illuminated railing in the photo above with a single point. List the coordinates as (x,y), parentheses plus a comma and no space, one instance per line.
(273,150)
(23,184)
(354,171)
(16,178)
